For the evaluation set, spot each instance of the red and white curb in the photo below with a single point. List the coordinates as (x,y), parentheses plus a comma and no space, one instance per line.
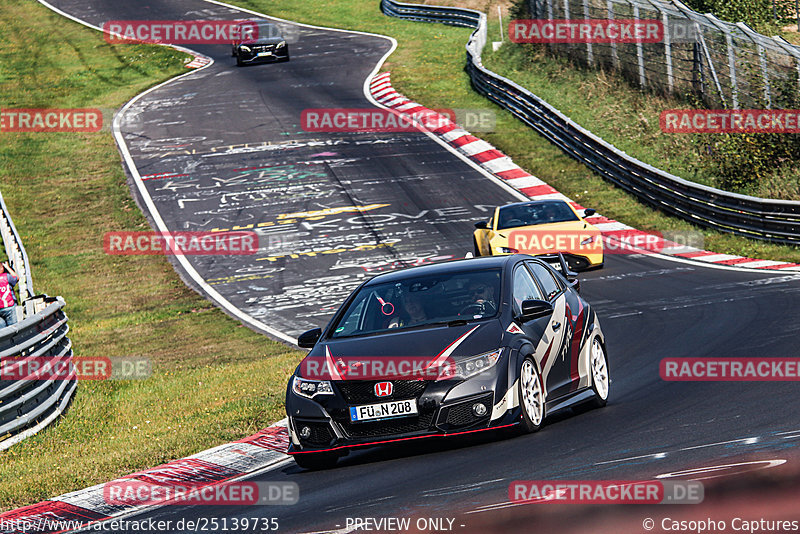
(198,61)
(224,463)
(500,165)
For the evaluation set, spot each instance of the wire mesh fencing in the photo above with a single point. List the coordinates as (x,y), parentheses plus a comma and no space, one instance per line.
(697,56)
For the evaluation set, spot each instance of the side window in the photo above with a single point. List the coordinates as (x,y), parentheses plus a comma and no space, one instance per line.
(560,280)
(545,278)
(352,321)
(524,288)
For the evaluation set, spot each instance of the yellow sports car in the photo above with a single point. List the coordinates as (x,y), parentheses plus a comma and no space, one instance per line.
(541,227)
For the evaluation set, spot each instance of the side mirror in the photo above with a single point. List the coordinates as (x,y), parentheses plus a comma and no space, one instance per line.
(535,309)
(569,274)
(307,340)
(588,212)
(481,225)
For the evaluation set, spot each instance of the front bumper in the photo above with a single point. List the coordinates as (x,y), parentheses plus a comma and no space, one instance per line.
(584,263)
(329,426)
(266,55)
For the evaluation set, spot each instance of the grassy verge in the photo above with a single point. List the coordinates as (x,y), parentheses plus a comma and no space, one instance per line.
(214,380)
(428,67)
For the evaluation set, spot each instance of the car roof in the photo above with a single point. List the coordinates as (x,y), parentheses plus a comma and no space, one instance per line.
(484,262)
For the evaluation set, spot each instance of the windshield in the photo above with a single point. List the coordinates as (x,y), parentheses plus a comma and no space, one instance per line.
(551,211)
(421,301)
(258,30)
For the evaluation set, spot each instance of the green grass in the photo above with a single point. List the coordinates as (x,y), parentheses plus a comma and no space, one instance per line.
(214,380)
(428,67)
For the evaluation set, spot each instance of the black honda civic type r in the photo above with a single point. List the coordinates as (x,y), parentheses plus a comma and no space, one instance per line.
(446,349)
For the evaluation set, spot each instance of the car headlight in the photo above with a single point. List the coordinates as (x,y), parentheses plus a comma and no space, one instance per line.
(463,368)
(309,388)
(281,44)
(245,48)
(506,250)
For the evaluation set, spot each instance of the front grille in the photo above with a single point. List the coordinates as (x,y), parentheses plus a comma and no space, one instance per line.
(389,427)
(263,48)
(321,433)
(361,391)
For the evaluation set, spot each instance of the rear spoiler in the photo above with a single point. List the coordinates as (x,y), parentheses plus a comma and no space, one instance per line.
(558,262)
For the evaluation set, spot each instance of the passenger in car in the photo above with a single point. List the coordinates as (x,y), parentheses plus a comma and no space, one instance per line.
(413,311)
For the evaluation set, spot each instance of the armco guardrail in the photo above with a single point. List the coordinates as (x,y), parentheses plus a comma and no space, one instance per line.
(27,406)
(766,219)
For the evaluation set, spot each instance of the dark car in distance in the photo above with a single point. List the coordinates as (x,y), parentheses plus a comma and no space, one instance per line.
(446,349)
(259,41)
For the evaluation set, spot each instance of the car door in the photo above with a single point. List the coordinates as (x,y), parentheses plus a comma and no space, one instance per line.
(547,338)
(563,376)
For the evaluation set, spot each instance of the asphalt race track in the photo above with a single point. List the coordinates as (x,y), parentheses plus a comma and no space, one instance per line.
(223,148)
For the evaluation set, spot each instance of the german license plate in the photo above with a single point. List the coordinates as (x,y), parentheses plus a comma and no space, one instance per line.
(384,410)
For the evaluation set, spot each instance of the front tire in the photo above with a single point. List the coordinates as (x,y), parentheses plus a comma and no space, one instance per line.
(531,396)
(601,380)
(314,461)
(239,62)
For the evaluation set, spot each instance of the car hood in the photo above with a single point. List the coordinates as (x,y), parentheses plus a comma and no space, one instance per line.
(417,345)
(566,226)
(568,229)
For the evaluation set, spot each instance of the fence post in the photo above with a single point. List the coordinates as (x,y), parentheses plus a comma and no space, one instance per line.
(762,55)
(731,65)
(698,78)
(639,48)
(589,52)
(668,52)
(710,64)
(614,55)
